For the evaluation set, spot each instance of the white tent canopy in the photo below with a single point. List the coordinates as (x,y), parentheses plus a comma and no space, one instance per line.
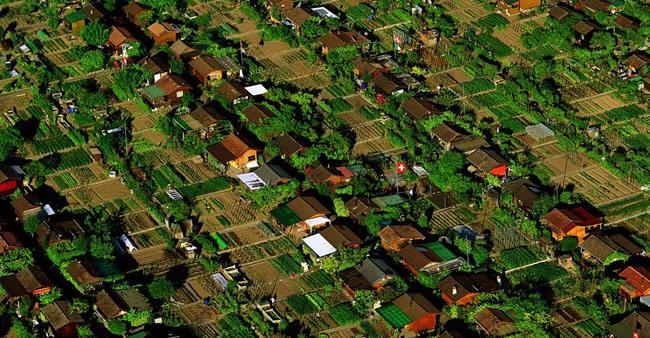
(255,90)
(319,245)
(316,221)
(252,181)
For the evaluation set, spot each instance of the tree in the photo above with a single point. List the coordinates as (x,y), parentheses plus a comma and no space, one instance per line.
(127,80)
(340,209)
(10,139)
(92,60)
(100,248)
(116,327)
(95,33)
(161,288)
(51,296)
(15,260)
(179,210)
(615,256)
(363,301)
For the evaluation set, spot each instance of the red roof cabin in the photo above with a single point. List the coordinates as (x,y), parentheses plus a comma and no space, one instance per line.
(395,237)
(411,312)
(8,181)
(572,222)
(637,282)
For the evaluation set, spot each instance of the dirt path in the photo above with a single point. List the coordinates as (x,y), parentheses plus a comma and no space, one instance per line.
(529,265)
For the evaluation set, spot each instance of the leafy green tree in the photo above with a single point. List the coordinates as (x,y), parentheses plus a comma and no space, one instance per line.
(22,330)
(363,301)
(15,260)
(137,318)
(92,60)
(95,33)
(615,256)
(84,331)
(51,296)
(127,80)
(31,223)
(116,327)
(161,288)
(10,139)
(179,210)
(135,50)
(340,208)
(100,248)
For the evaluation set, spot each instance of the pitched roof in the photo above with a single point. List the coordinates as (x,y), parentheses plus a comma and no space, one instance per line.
(415,305)
(559,12)
(160,28)
(495,322)
(322,173)
(466,284)
(25,203)
(60,314)
(230,148)
(419,108)
(119,35)
(360,206)
(93,12)
(57,231)
(388,84)
(156,64)
(601,245)
(342,39)
(584,27)
(183,50)
(25,282)
(9,239)
(233,91)
(84,273)
(469,143)
(306,207)
(366,66)
(134,9)
(375,269)
(626,22)
(7,173)
(256,113)
(399,232)
(297,15)
(523,190)
(637,60)
(271,174)
(637,277)
(486,159)
(108,305)
(597,5)
(447,132)
(419,257)
(205,64)
(203,117)
(170,84)
(340,235)
(565,219)
(638,321)
(289,145)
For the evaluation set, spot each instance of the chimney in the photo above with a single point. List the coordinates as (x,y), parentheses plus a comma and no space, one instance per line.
(454,290)
(499,280)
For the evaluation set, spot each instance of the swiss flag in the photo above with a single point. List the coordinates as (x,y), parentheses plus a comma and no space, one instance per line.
(401,167)
(636,334)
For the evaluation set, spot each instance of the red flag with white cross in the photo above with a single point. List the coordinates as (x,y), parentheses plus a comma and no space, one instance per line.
(401,167)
